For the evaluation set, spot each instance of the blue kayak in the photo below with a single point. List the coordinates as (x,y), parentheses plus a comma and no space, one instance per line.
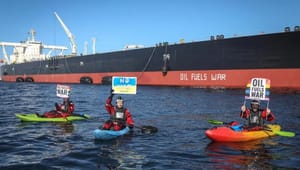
(109,134)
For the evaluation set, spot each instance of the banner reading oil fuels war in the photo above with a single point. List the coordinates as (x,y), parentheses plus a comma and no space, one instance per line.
(124,85)
(258,89)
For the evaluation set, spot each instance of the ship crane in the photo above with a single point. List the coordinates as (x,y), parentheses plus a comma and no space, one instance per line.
(69,34)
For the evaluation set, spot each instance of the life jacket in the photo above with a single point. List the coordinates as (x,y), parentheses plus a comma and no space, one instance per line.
(65,107)
(119,116)
(255,118)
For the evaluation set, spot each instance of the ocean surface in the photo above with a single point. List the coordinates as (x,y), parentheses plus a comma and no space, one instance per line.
(180,114)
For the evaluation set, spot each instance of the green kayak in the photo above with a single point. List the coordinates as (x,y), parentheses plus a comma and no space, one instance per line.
(36,118)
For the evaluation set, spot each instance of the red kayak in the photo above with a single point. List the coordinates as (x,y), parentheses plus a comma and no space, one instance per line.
(228,134)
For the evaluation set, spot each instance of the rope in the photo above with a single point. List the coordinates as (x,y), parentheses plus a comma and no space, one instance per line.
(147,64)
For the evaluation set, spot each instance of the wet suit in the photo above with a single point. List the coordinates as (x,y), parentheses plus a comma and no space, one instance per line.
(119,117)
(62,110)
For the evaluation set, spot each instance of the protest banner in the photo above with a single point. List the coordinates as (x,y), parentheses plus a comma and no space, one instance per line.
(63,91)
(258,89)
(124,85)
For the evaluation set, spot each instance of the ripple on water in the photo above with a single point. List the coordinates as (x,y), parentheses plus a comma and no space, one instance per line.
(180,114)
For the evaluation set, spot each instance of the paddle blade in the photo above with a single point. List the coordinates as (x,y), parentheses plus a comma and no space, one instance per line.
(86,116)
(285,133)
(215,122)
(147,129)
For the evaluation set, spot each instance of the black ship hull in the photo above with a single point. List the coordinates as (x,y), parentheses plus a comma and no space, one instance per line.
(225,63)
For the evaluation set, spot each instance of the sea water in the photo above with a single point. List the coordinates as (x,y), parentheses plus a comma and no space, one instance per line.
(180,114)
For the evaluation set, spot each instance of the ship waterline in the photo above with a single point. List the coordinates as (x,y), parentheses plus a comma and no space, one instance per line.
(280,78)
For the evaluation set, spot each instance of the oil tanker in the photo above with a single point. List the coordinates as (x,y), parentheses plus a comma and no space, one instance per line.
(214,63)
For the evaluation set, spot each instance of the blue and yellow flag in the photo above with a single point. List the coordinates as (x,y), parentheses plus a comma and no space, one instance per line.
(124,85)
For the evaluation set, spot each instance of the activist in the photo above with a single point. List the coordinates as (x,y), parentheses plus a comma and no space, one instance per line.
(255,116)
(62,110)
(119,115)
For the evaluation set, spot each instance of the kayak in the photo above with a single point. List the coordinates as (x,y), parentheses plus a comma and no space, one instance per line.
(35,118)
(228,134)
(109,134)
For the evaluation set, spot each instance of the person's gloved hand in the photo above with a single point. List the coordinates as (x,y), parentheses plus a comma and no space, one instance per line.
(111,93)
(243,108)
(268,112)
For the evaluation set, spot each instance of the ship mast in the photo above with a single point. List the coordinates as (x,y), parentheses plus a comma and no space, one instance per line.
(69,34)
(94,45)
(32,32)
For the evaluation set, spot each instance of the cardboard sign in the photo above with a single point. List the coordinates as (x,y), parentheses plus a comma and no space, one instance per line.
(258,89)
(63,91)
(124,85)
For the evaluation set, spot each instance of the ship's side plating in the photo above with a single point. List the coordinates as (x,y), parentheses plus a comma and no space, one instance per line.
(227,62)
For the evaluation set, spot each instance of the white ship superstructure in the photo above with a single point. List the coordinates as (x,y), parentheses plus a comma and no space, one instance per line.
(29,50)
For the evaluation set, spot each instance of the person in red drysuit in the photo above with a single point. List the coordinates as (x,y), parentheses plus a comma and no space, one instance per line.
(255,116)
(119,115)
(62,110)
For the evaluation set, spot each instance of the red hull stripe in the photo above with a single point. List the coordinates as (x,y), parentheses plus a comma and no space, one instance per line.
(280,78)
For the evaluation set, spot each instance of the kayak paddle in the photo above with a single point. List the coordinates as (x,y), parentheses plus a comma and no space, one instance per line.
(81,115)
(216,122)
(281,133)
(284,133)
(147,129)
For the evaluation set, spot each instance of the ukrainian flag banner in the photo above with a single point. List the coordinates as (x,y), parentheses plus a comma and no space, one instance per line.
(124,85)
(258,89)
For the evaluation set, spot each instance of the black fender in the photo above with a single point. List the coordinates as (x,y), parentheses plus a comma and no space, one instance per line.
(29,79)
(86,80)
(165,66)
(20,79)
(106,80)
